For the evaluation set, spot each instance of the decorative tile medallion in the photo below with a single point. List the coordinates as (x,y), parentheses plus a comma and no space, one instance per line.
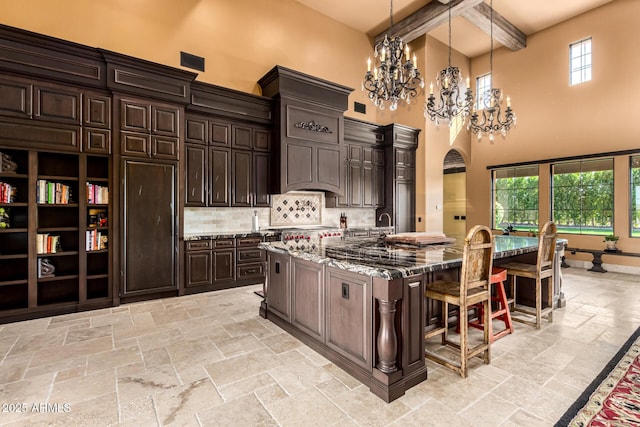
(296,208)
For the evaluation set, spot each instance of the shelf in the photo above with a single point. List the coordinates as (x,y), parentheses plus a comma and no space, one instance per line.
(92,179)
(97,205)
(13,282)
(13,204)
(13,256)
(61,253)
(56,229)
(13,230)
(57,278)
(13,175)
(57,178)
(97,276)
(99,251)
(58,205)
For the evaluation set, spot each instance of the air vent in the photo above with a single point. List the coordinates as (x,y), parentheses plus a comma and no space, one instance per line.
(359,108)
(192,61)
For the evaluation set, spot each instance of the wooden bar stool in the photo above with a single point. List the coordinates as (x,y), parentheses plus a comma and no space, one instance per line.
(498,277)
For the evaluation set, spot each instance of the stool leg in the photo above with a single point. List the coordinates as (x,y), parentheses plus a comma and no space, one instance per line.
(538,302)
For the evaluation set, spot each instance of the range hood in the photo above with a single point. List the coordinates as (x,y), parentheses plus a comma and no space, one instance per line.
(308,130)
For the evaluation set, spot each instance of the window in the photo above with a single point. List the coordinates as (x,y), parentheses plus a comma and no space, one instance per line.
(583,196)
(483,84)
(515,198)
(580,61)
(635,196)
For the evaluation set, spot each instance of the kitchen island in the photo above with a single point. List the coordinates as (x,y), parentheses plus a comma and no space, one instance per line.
(360,302)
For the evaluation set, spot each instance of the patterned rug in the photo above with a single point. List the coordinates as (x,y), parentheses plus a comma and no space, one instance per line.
(613,398)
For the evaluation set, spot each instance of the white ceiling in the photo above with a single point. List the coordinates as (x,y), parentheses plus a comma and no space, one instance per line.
(530,16)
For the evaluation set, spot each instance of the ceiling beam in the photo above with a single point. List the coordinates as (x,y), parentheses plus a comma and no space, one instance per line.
(425,19)
(503,31)
(436,13)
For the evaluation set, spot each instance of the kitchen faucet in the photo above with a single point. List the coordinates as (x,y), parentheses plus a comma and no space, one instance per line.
(388,218)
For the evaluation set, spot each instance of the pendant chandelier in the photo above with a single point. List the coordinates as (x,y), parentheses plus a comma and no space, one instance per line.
(451,102)
(395,77)
(490,120)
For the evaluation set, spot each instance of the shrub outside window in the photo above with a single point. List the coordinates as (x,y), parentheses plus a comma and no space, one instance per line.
(635,196)
(583,196)
(515,198)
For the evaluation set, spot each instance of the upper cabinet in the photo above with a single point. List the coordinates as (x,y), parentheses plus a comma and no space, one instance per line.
(363,167)
(228,154)
(309,146)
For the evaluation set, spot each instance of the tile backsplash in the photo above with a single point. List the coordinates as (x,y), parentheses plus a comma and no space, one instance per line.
(213,220)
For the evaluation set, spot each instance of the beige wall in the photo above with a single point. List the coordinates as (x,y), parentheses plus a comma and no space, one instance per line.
(558,120)
(454,204)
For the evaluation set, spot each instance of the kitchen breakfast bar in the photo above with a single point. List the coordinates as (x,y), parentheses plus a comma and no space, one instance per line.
(360,302)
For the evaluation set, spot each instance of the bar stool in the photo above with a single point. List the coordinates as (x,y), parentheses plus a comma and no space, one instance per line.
(498,277)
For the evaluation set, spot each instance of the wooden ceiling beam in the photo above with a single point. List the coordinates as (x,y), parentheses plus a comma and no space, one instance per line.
(436,13)
(425,19)
(503,31)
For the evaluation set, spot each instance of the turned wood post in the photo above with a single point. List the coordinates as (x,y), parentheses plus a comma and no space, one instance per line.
(387,340)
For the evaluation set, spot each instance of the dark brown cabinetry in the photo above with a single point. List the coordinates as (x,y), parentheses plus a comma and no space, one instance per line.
(363,169)
(54,254)
(149,227)
(149,129)
(308,129)
(400,144)
(307,297)
(217,175)
(212,264)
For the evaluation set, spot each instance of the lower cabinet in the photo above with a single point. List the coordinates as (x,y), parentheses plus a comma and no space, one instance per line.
(212,264)
(307,295)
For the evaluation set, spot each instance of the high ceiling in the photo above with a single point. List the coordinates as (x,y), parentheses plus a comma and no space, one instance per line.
(530,16)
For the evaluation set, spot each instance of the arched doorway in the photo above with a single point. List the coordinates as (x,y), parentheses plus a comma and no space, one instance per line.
(454,191)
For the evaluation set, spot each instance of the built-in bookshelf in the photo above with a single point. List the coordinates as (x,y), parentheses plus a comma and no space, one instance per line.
(54,232)
(14,230)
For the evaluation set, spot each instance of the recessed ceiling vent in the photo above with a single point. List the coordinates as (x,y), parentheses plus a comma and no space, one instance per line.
(191,61)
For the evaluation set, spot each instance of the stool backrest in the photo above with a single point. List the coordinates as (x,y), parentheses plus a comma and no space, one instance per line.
(547,245)
(477,259)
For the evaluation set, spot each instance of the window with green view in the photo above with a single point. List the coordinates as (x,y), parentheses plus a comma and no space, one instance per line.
(583,196)
(635,196)
(515,198)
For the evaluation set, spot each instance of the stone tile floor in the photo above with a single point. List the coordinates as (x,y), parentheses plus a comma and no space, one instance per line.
(209,359)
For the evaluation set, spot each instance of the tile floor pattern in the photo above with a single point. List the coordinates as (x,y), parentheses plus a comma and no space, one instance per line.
(209,359)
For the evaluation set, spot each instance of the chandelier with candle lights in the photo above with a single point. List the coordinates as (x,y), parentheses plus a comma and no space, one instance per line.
(451,102)
(395,76)
(490,120)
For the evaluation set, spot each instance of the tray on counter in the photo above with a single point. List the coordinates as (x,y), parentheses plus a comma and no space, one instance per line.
(419,238)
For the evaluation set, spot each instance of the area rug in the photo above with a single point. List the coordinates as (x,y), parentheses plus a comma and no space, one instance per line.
(613,398)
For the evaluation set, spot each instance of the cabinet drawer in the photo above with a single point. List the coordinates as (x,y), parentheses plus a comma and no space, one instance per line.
(223,243)
(249,241)
(250,270)
(194,245)
(250,255)
(96,140)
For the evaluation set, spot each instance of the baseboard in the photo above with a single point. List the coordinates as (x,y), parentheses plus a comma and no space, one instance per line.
(611,268)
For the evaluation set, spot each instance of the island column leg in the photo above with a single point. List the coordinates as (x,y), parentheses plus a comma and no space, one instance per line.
(387,340)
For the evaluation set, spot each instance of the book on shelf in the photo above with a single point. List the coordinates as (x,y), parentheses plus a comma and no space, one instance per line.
(97,194)
(7,192)
(48,192)
(96,240)
(47,244)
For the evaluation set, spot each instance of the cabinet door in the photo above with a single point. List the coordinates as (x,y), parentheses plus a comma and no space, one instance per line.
(405,206)
(57,104)
(195,175)
(368,185)
(96,110)
(199,267)
(197,131)
(15,98)
(219,172)
(378,186)
(241,181)
(278,285)
(165,120)
(261,140)
(224,265)
(261,179)
(242,136)
(355,184)
(307,296)
(150,209)
(348,307)
(135,116)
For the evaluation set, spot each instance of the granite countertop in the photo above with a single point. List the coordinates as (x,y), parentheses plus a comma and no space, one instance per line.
(375,258)
(205,235)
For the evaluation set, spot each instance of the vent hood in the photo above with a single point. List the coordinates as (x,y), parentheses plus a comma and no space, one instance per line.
(308,127)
